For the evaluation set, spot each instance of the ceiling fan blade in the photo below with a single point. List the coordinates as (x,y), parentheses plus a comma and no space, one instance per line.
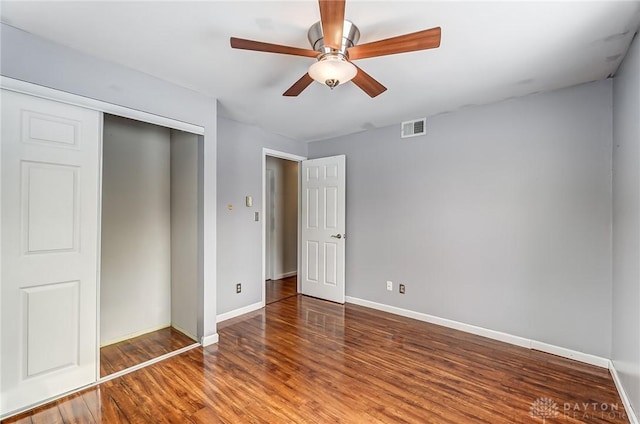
(241,43)
(368,84)
(332,17)
(421,40)
(299,86)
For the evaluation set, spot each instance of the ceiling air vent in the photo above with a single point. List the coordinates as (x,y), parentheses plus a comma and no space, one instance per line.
(413,128)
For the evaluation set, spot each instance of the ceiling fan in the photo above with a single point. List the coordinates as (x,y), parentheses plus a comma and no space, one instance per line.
(334,43)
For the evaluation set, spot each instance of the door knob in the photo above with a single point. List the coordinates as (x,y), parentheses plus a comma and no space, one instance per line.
(338,236)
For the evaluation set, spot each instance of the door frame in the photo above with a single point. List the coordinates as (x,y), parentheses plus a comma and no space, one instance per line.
(60,96)
(287,156)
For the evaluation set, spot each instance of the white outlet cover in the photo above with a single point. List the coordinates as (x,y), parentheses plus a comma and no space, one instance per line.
(390,285)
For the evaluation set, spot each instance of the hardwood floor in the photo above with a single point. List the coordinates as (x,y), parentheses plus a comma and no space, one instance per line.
(119,356)
(281,289)
(302,360)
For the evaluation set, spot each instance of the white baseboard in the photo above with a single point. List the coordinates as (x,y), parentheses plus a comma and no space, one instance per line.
(286,275)
(587,358)
(209,340)
(239,311)
(185,332)
(135,334)
(480,331)
(633,418)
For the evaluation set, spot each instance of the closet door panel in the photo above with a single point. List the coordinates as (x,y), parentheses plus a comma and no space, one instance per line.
(50,198)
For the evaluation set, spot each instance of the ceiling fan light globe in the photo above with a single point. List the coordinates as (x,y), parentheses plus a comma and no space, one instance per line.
(333,69)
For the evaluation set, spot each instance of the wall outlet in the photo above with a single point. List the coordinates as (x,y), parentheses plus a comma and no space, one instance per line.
(239,288)
(390,285)
(401,288)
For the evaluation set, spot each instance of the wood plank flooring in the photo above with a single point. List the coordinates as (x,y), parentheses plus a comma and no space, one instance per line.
(281,289)
(119,356)
(303,360)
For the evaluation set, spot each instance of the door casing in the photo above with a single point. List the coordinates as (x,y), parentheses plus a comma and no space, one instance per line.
(282,155)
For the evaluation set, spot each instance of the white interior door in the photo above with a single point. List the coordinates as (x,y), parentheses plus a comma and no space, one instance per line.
(323,228)
(50,180)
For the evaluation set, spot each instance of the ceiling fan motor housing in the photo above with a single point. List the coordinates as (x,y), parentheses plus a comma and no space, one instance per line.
(350,37)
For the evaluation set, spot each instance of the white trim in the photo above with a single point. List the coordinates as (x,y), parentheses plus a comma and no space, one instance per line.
(147,363)
(135,334)
(209,340)
(240,311)
(99,248)
(485,332)
(183,331)
(101,380)
(587,358)
(285,275)
(282,155)
(1,209)
(633,418)
(288,156)
(18,86)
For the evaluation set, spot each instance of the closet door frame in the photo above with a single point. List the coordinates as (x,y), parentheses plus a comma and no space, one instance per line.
(12,84)
(35,90)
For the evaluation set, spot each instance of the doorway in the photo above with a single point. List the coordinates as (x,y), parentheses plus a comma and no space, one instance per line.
(148,269)
(281,227)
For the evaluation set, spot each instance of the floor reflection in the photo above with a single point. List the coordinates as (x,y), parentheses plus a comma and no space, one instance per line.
(276,290)
(304,360)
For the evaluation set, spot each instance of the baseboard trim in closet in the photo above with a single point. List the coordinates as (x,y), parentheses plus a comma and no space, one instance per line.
(140,333)
(186,333)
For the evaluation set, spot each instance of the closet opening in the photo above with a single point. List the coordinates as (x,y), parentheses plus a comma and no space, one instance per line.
(149,243)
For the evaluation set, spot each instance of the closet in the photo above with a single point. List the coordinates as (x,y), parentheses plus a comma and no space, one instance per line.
(101,223)
(148,255)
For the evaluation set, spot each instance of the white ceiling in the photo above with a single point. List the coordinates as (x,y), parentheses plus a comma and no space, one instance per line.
(490,51)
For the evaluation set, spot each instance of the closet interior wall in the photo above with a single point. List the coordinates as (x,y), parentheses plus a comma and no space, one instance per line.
(148,275)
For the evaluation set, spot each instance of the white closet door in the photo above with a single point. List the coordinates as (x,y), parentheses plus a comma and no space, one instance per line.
(50,197)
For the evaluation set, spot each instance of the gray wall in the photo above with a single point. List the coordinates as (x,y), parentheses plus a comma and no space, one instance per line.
(239,236)
(626,224)
(135,268)
(184,232)
(285,220)
(499,217)
(33,59)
